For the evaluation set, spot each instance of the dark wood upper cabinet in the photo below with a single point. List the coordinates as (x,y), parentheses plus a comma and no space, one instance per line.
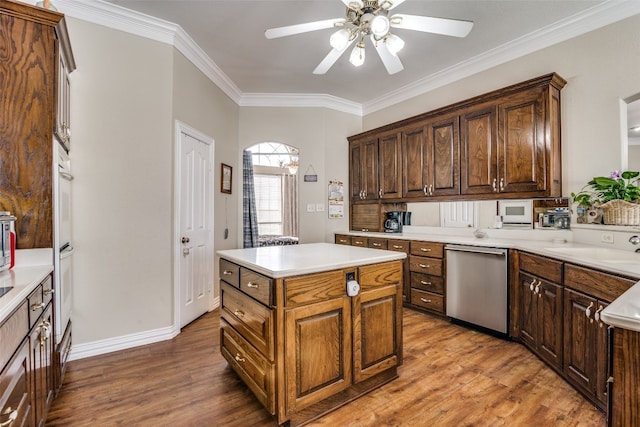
(390,164)
(479,164)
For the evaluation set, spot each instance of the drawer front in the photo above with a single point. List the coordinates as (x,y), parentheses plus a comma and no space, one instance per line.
(252,319)
(542,267)
(427,300)
(359,241)
(47,290)
(399,245)
(377,243)
(230,273)
(430,249)
(601,285)
(427,283)
(377,275)
(12,332)
(341,239)
(425,265)
(256,285)
(312,288)
(256,371)
(36,305)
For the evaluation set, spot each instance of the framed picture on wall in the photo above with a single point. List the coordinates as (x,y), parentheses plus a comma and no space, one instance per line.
(225,180)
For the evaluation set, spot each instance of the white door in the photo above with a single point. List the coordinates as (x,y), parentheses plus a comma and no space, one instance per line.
(195,242)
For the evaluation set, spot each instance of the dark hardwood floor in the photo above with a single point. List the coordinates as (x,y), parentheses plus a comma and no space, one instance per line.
(452,376)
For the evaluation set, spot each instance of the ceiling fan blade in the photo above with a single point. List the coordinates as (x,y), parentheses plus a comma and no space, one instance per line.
(391,62)
(330,59)
(447,27)
(290,30)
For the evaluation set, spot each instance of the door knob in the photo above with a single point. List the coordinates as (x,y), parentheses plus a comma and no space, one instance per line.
(185,240)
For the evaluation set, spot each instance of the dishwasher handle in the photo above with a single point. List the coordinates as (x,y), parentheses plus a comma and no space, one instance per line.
(477,249)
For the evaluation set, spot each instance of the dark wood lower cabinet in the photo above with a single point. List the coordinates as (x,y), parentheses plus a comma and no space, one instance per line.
(624,410)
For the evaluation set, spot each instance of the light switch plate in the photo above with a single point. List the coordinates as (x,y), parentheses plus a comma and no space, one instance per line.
(319,207)
(311,207)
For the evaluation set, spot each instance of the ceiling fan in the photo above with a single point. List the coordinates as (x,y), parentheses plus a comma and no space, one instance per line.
(371,18)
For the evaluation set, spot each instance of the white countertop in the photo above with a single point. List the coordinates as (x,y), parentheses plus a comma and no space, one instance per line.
(293,260)
(32,267)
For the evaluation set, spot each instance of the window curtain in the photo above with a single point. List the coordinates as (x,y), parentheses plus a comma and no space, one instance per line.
(290,205)
(249,211)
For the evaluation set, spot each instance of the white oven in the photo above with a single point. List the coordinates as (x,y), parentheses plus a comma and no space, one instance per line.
(516,213)
(63,244)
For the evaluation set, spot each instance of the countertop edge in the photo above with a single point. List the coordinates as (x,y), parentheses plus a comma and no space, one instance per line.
(24,280)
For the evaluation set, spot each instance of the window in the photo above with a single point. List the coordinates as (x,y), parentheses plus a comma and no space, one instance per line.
(269,203)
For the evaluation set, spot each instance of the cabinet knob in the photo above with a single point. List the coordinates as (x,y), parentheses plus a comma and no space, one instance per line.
(252,285)
(239,313)
(239,358)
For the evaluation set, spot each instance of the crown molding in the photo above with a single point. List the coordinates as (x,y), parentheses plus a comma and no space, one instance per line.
(300,100)
(119,18)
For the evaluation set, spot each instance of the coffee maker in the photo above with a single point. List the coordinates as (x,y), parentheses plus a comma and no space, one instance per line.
(393,222)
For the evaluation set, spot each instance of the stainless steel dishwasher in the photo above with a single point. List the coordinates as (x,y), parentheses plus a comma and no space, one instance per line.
(477,286)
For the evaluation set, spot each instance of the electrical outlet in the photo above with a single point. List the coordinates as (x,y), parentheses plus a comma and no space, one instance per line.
(606,238)
(311,207)
(319,207)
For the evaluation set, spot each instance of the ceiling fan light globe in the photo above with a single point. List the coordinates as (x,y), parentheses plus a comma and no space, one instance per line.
(380,25)
(357,55)
(394,44)
(339,39)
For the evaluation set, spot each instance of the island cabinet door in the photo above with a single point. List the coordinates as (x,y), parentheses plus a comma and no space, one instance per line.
(318,352)
(376,337)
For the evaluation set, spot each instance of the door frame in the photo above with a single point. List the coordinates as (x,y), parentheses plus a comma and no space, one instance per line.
(181,127)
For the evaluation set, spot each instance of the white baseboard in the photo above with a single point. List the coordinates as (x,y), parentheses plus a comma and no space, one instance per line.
(96,348)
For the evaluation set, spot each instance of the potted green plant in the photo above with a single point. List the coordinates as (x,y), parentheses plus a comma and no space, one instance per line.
(618,196)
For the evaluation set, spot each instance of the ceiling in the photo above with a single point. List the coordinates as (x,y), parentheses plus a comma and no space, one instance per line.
(231,33)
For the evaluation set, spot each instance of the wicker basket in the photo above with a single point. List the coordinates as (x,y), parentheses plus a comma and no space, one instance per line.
(619,212)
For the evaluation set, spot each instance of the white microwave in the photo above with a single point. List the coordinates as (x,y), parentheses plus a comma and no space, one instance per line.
(516,212)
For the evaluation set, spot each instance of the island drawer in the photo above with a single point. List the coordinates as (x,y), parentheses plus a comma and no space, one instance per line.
(430,249)
(359,241)
(230,272)
(312,288)
(12,332)
(542,267)
(427,300)
(375,275)
(256,285)
(427,283)
(595,283)
(426,265)
(253,320)
(254,369)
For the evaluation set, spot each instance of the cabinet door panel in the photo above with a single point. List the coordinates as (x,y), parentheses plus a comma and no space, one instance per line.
(521,157)
(16,385)
(369,169)
(318,351)
(390,164)
(580,340)
(550,312)
(376,337)
(528,306)
(479,151)
(445,154)
(416,162)
(355,171)
(602,358)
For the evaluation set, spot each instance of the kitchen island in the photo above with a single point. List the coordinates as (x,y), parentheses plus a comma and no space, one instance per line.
(294,333)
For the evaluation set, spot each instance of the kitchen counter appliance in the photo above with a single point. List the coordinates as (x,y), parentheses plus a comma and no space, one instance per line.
(393,223)
(477,287)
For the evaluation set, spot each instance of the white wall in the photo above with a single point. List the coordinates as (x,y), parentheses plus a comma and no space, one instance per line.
(320,134)
(601,68)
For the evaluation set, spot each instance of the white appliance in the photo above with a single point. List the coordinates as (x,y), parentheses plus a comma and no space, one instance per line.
(477,287)
(516,213)
(63,245)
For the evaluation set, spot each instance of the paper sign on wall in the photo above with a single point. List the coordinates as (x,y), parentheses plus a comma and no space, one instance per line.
(336,199)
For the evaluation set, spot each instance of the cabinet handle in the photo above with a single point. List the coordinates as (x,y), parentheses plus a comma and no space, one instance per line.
(425,249)
(587,312)
(36,307)
(493,185)
(425,300)
(597,315)
(377,245)
(424,265)
(48,292)
(359,242)
(424,190)
(239,313)
(425,283)
(380,193)
(13,415)
(252,285)
(397,247)
(430,189)
(227,273)
(501,184)
(532,285)
(239,358)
